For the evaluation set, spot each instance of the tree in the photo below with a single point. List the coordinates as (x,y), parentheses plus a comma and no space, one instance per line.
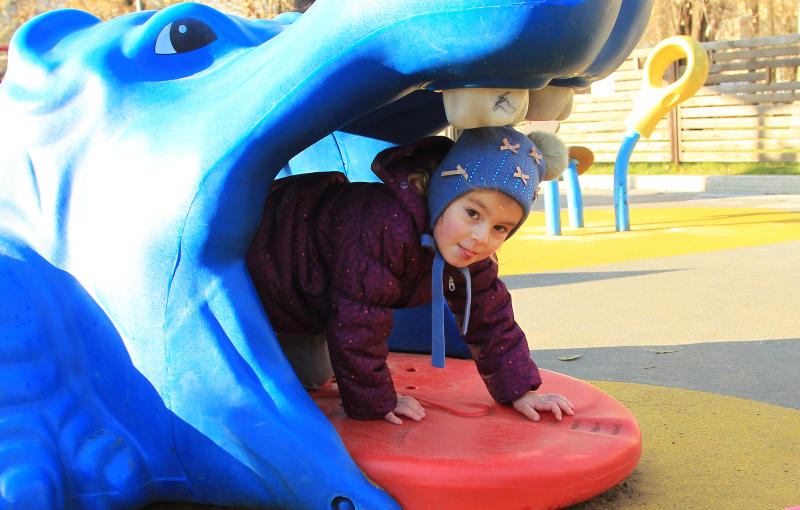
(714,20)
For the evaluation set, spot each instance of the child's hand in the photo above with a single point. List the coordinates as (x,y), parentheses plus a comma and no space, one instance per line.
(406,406)
(531,402)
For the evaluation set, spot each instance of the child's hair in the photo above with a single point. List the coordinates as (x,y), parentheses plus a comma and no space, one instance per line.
(420,178)
(427,162)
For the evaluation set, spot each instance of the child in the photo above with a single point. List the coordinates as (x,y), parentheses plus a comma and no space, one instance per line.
(331,259)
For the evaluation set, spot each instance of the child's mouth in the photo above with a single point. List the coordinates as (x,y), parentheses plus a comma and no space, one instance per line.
(465,253)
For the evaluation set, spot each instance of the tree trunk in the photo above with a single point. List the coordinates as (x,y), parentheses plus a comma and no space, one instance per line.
(696,19)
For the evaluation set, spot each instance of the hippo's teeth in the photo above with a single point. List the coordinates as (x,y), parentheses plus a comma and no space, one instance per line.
(550,103)
(475,107)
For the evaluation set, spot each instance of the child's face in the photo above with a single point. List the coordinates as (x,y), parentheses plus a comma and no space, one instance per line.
(475,225)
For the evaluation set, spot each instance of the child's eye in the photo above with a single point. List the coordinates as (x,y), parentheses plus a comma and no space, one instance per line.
(501,229)
(472,213)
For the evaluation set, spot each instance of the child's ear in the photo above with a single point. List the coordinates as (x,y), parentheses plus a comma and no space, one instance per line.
(554,152)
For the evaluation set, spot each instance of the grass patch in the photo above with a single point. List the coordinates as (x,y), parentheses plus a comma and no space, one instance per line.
(760,168)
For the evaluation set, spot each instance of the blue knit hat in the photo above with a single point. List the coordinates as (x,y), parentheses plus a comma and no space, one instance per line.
(488,158)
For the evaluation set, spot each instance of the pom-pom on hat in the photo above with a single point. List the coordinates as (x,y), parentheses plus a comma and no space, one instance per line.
(495,158)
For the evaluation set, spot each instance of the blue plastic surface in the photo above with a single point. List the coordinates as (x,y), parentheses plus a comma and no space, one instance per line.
(574,195)
(621,210)
(632,16)
(136,362)
(552,207)
(552,200)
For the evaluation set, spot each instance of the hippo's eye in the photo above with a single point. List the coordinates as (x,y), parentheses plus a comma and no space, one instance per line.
(184,35)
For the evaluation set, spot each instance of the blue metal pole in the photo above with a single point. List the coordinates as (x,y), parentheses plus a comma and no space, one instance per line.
(552,207)
(574,198)
(621,181)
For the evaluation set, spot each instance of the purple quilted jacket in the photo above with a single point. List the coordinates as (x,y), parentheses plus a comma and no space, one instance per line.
(337,257)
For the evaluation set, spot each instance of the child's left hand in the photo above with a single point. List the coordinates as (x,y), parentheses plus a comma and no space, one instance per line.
(531,402)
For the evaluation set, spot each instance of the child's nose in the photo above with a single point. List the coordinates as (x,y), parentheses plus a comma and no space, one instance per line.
(480,234)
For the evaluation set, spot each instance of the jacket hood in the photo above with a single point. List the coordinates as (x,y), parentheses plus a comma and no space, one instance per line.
(393,166)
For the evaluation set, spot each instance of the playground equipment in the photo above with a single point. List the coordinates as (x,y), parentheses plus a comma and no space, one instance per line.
(656,100)
(469,453)
(138,364)
(580,160)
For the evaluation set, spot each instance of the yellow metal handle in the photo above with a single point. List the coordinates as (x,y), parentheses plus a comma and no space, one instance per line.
(655,100)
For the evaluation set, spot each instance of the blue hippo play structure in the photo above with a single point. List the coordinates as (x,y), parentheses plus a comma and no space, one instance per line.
(136,362)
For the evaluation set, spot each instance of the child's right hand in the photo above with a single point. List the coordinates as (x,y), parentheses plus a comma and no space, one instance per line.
(406,406)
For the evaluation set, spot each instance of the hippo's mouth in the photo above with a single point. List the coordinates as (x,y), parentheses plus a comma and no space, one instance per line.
(137,156)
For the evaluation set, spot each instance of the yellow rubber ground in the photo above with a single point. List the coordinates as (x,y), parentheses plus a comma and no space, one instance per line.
(705,451)
(655,232)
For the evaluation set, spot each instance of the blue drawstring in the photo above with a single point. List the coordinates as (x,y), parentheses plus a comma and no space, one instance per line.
(438,303)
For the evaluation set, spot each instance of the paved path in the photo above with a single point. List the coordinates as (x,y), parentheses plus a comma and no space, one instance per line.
(692,320)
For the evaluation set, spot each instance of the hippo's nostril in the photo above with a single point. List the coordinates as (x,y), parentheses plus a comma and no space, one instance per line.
(342,503)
